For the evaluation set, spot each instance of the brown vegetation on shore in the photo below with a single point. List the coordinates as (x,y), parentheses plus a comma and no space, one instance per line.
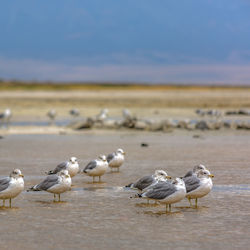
(23,96)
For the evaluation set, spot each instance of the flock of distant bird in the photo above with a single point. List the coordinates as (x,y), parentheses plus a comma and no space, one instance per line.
(158,187)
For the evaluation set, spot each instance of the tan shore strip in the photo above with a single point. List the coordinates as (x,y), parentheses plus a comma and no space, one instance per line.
(129,97)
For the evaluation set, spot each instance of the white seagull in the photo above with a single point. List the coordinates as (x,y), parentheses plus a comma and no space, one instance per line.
(96,167)
(5,117)
(116,159)
(72,166)
(150,180)
(11,186)
(198,186)
(52,115)
(103,115)
(166,192)
(55,183)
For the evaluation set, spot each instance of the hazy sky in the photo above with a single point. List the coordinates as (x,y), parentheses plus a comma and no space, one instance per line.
(161,41)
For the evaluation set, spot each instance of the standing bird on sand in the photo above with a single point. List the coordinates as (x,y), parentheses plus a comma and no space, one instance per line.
(52,116)
(195,170)
(149,180)
(166,192)
(116,159)
(5,117)
(11,186)
(96,167)
(55,183)
(103,115)
(74,112)
(72,166)
(198,186)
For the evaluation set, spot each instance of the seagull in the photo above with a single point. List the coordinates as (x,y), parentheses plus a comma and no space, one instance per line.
(102,115)
(198,186)
(149,180)
(166,192)
(55,183)
(96,167)
(5,116)
(126,113)
(72,166)
(116,159)
(195,170)
(74,112)
(52,115)
(11,186)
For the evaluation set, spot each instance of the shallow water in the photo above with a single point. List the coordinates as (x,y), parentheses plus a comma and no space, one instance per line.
(103,216)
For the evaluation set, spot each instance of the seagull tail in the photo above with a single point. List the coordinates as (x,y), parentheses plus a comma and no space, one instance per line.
(49,172)
(136,196)
(34,188)
(129,185)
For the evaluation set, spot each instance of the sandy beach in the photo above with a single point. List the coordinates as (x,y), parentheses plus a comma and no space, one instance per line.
(103,216)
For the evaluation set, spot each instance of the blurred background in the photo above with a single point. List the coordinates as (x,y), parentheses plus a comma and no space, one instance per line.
(159,59)
(191,42)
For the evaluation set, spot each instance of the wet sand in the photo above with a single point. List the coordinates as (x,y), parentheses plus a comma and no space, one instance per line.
(103,216)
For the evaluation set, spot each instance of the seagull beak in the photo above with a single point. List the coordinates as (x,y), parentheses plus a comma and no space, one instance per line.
(168,177)
(21,175)
(123,153)
(211,175)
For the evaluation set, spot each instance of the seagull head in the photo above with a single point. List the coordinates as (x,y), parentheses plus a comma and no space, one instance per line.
(64,173)
(199,167)
(120,151)
(204,174)
(161,175)
(73,160)
(7,112)
(103,158)
(179,182)
(16,173)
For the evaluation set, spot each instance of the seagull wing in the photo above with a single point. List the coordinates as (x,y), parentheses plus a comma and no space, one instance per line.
(47,183)
(91,165)
(110,157)
(191,182)
(160,191)
(4,183)
(59,167)
(188,174)
(143,182)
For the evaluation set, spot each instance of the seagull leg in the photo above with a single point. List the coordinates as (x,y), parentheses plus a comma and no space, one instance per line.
(59,197)
(3,203)
(189,199)
(169,207)
(196,202)
(93,179)
(166,208)
(99,178)
(10,202)
(54,197)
